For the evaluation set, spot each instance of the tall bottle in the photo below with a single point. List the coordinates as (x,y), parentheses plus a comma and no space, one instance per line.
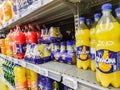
(32,35)
(108,49)
(117,11)
(88,22)
(63,52)
(7,11)
(70,53)
(38,32)
(34,80)
(20,42)
(93,42)
(82,44)
(20,78)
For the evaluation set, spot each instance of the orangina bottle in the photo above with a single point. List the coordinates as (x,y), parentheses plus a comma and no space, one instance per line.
(117,11)
(20,78)
(93,42)
(108,49)
(82,45)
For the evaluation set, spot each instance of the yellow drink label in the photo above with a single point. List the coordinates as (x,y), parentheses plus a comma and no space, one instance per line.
(83,53)
(107,61)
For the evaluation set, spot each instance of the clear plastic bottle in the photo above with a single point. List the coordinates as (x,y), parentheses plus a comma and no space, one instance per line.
(20,42)
(117,11)
(56,51)
(62,52)
(108,49)
(82,44)
(88,22)
(93,41)
(70,53)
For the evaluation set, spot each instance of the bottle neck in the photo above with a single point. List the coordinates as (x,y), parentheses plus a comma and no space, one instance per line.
(62,49)
(81,22)
(69,48)
(56,47)
(118,15)
(106,13)
(96,19)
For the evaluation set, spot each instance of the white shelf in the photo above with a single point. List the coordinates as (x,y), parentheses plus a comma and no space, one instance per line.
(7,83)
(69,74)
(49,11)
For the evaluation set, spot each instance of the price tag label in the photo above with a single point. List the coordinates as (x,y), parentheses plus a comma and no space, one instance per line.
(43,71)
(28,65)
(54,75)
(9,58)
(22,63)
(70,82)
(15,61)
(35,68)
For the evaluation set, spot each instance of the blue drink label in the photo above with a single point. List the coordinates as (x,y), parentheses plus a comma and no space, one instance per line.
(92,53)
(83,53)
(20,48)
(107,61)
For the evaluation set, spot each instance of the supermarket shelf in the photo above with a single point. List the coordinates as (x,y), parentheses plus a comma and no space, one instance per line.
(47,12)
(69,74)
(7,83)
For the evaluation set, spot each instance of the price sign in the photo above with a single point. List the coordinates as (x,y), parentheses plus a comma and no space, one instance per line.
(70,82)
(43,71)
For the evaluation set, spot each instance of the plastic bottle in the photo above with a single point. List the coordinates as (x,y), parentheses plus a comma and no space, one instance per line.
(15,8)
(88,22)
(117,11)
(55,86)
(63,52)
(25,32)
(20,42)
(1,16)
(93,42)
(7,43)
(28,76)
(82,44)
(7,11)
(38,32)
(11,42)
(56,52)
(108,49)
(20,78)
(32,35)
(14,42)
(70,53)
(3,47)
(34,80)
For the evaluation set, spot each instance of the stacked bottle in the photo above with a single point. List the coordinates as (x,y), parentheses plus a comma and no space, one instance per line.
(82,45)
(93,41)
(108,49)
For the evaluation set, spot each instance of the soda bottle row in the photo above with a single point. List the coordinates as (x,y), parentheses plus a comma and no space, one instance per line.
(8,68)
(98,48)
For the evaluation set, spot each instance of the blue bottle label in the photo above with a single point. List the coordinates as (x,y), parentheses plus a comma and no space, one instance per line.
(92,53)
(69,57)
(20,48)
(63,57)
(83,53)
(57,55)
(107,61)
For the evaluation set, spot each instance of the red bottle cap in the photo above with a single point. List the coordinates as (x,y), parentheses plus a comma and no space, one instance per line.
(18,25)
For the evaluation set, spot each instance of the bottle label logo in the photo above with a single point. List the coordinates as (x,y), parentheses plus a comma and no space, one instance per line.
(107,61)
(83,53)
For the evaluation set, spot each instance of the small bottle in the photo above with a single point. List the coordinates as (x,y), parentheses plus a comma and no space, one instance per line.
(70,53)
(117,11)
(56,51)
(55,86)
(69,46)
(88,22)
